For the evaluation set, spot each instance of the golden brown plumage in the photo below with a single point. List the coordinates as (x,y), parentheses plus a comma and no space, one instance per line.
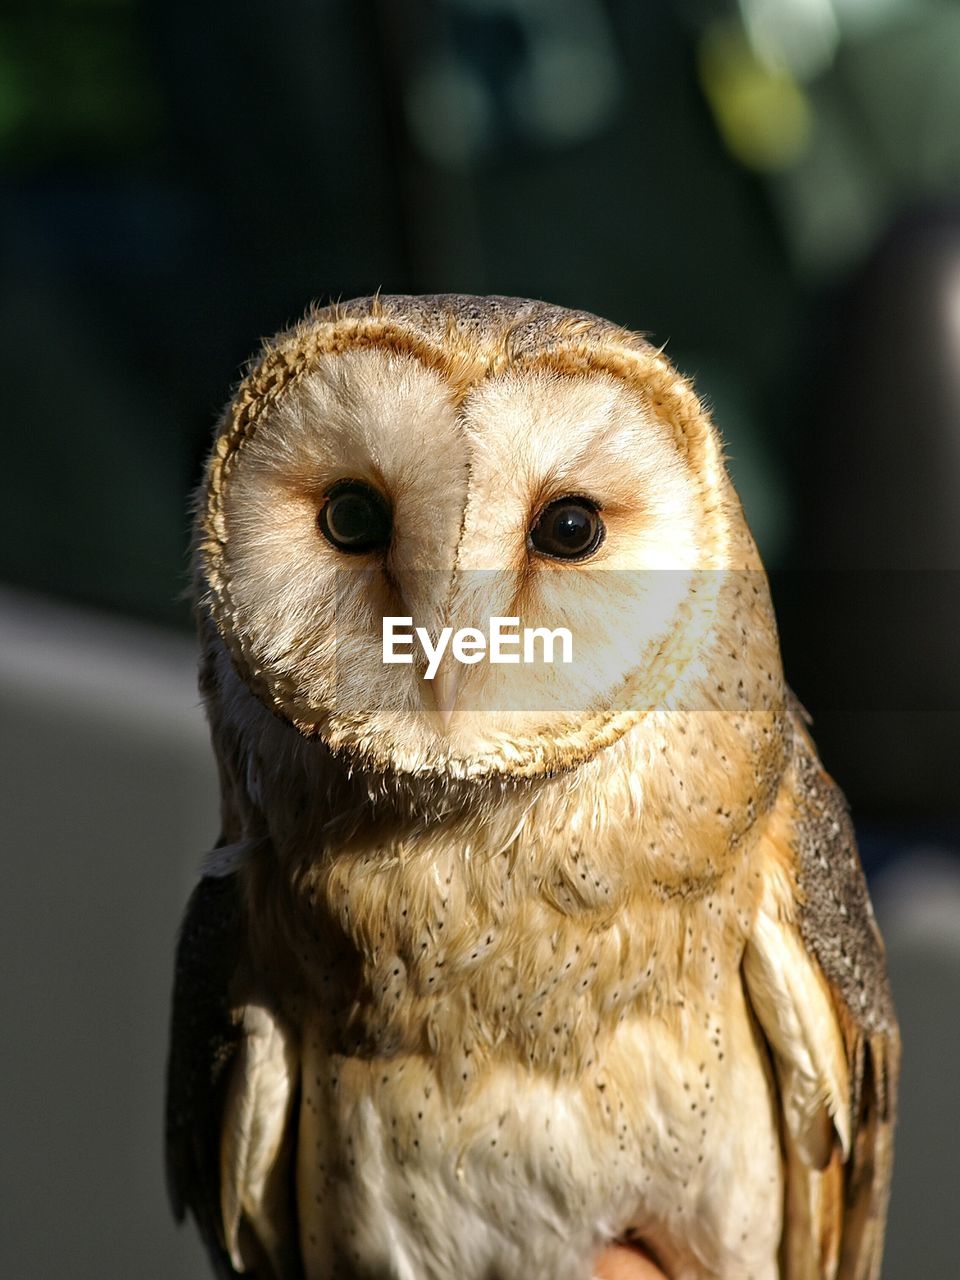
(591,959)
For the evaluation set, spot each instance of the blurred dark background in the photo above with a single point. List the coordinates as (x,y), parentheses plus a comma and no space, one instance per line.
(772,187)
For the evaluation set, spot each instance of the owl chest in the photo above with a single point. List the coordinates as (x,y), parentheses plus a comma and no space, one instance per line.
(515,1168)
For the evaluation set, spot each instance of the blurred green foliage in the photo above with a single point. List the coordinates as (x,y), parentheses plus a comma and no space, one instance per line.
(75,85)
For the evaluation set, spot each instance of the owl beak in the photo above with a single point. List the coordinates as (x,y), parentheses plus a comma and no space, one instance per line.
(446,686)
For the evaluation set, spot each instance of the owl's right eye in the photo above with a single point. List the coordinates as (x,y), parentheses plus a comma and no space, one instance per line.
(355,517)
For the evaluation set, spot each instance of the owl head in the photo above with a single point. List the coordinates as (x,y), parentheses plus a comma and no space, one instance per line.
(397,469)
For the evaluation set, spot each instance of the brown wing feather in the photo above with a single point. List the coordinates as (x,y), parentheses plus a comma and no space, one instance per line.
(204,1041)
(836,922)
(233,1065)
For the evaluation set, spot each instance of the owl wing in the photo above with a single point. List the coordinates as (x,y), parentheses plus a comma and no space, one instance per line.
(231,1082)
(816,978)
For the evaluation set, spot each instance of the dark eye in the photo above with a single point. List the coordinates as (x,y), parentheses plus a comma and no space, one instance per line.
(568,529)
(355,517)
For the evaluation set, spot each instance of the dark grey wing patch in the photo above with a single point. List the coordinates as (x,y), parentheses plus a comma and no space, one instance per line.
(204,1040)
(837,925)
(836,916)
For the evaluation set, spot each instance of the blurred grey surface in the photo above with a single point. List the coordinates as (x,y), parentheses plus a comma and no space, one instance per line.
(108,802)
(918,906)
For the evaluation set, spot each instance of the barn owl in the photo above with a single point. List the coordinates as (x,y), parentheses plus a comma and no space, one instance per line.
(492,968)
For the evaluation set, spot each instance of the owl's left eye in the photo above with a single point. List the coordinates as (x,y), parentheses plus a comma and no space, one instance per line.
(567,529)
(355,517)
